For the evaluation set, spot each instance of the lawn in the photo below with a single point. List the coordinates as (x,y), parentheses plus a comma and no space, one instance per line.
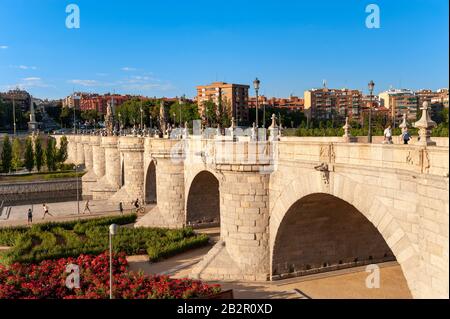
(43,176)
(71,239)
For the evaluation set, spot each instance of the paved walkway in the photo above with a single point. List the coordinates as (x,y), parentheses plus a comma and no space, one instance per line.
(61,212)
(341,284)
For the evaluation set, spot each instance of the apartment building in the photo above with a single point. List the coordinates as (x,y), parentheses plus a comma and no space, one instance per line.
(233,96)
(324,103)
(292,103)
(399,102)
(21,99)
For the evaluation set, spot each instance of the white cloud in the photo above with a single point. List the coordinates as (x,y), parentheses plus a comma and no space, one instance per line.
(30,82)
(23,67)
(3,47)
(128,69)
(88,83)
(32,79)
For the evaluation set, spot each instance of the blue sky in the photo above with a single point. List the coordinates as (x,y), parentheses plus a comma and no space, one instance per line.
(167,47)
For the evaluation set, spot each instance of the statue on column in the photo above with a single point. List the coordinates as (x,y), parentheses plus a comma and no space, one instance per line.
(162,117)
(109,120)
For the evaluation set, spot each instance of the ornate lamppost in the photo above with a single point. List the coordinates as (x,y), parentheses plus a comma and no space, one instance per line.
(256,84)
(371,85)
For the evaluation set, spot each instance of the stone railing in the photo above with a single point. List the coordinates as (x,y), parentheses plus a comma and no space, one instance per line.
(415,158)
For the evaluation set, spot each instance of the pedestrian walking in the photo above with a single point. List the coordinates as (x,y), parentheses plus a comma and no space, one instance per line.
(388,135)
(30,216)
(406,136)
(45,209)
(86,207)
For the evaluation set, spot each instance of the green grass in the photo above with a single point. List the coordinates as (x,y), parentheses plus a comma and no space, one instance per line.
(70,239)
(42,176)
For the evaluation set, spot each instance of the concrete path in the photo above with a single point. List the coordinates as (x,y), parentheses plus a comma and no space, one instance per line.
(61,212)
(342,284)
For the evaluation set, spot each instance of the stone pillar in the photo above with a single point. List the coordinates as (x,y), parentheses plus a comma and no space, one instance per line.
(110,182)
(89,178)
(71,149)
(170,192)
(167,156)
(243,250)
(98,156)
(80,150)
(86,141)
(132,157)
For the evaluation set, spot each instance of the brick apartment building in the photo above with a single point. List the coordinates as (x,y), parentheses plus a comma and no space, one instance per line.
(234,96)
(399,102)
(22,99)
(292,103)
(324,103)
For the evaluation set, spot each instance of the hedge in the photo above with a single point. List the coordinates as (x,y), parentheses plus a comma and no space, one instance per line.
(70,239)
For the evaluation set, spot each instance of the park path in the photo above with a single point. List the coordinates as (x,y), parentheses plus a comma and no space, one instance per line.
(342,284)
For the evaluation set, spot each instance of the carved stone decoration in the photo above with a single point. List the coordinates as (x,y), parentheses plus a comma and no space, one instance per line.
(425,162)
(332,153)
(325,172)
(324,155)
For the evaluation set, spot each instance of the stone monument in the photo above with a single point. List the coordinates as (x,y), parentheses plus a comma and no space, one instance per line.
(32,124)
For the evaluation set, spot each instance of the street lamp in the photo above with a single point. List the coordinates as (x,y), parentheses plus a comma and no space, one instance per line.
(142,117)
(112,231)
(78,188)
(371,86)
(256,83)
(14,115)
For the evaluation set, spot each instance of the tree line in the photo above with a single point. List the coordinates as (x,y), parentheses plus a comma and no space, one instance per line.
(34,155)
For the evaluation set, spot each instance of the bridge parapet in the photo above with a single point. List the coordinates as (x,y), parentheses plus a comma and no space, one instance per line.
(414,158)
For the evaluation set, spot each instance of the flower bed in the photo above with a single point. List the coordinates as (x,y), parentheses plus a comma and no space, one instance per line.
(47,280)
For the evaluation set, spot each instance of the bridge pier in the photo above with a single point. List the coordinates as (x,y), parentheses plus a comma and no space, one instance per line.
(89,178)
(80,151)
(71,149)
(109,184)
(131,151)
(243,250)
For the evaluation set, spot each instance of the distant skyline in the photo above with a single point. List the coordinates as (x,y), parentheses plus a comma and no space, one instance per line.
(167,48)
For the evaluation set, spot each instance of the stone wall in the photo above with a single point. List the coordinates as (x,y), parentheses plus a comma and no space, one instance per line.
(39,192)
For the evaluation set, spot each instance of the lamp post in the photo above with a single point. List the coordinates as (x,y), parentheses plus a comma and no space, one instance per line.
(112,231)
(142,118)
(371,85)
(14,115)
(256,83)
(78,188)
(181,103)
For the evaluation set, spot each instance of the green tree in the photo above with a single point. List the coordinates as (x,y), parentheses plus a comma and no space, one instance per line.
(210,113)
(38,154)
(6,154)
(50,155)
(16,161)
(62,151)
(29,155)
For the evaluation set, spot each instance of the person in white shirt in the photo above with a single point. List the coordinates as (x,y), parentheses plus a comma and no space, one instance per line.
(388,135)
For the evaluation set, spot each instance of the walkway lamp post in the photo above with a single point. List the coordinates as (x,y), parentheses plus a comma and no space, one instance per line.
(371,86)
(112,231)
(256,83)
(142,118)
(74,98)
(78,188)
(14,115)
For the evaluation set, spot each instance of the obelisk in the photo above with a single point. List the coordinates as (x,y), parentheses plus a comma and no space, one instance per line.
(32,124)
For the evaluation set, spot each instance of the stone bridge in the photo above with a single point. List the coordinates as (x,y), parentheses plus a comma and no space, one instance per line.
(286,208)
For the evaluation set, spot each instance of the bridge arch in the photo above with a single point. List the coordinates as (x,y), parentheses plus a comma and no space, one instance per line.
(322,207)
(203,200)
(150,184)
